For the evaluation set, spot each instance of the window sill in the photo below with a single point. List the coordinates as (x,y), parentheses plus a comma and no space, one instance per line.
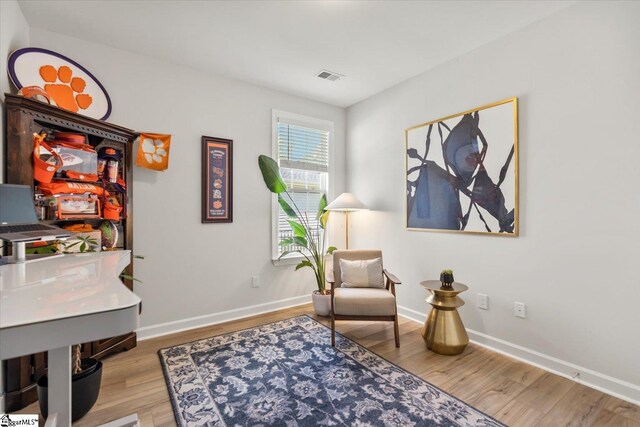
(290,260)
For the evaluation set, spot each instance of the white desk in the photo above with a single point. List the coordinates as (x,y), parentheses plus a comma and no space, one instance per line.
(51,305)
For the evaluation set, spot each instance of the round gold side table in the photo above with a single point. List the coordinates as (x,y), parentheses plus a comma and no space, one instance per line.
(443,331)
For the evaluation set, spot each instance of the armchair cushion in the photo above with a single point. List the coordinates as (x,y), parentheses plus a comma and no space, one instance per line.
(364,302)
(351,254)
(363,273)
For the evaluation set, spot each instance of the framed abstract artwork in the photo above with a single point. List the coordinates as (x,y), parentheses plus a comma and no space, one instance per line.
(217,179)
(462,172)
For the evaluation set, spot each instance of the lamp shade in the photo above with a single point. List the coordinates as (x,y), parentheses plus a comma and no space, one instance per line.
(346,202)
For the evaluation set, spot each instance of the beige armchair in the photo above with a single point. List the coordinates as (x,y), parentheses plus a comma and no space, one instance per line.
(362,303)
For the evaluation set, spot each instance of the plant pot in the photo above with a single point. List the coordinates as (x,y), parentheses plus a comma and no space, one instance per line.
(446,279)
(321,303)
(85,388)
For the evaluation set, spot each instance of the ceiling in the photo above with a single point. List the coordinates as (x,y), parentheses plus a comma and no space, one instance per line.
(283,44)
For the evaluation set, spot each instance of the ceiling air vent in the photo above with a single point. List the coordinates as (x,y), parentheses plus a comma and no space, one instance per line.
(329,75)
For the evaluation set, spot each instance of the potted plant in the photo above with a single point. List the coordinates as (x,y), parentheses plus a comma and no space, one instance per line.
(446,278)
(311,239)
(85,385)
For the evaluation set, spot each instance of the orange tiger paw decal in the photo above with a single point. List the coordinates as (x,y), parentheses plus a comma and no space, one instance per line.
(65,89)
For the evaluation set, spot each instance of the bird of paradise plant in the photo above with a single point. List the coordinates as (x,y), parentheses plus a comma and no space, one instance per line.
(311,238)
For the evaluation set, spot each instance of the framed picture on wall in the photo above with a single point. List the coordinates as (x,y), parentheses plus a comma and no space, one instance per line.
(462,172)
(217,179)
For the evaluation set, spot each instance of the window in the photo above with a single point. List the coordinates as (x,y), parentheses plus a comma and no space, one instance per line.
(301,148)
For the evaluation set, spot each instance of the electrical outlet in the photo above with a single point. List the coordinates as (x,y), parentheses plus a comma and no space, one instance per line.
(483,302)
(520,309)
(255,281)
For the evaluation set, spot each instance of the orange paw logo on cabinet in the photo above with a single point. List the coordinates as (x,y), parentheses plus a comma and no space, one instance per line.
(48,76)
(65,90)
(153,151)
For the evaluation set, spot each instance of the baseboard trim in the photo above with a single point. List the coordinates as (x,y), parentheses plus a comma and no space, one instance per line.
(590,378)
(154,331)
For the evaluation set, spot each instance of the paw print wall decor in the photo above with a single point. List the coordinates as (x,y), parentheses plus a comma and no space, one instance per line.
(153,151)
(68,84)
(64,90)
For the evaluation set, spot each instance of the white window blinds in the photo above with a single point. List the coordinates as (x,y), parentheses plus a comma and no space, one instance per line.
(303,156)
(302,147)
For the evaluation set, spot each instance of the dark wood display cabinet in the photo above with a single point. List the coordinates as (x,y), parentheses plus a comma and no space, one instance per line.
(24,117)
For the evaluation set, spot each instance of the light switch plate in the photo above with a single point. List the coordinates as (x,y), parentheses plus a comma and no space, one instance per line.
(483,302)
(520,309)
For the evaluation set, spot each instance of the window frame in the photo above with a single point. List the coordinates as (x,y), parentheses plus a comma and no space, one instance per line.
(279,116)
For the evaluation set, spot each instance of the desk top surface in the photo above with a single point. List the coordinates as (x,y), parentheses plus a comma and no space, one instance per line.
(58,288)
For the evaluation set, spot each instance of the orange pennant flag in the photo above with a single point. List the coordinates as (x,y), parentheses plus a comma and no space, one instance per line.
(153,151)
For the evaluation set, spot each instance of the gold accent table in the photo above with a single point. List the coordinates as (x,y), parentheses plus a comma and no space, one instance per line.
(443,331)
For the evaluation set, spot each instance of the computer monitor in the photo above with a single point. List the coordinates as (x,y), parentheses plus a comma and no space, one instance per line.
(16,205)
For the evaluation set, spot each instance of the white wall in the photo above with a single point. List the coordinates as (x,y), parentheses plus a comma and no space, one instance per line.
(14,34)
(193,269)
(577,75)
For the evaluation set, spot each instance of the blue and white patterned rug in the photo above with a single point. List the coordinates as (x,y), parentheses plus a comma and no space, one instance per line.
(287,374)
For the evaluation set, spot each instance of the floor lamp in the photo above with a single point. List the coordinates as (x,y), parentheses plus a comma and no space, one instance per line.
(346,202)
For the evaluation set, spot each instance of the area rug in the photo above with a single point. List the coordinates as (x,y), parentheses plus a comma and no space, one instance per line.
(287,374)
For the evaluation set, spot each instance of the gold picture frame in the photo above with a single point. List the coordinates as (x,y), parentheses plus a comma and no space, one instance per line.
(470,183)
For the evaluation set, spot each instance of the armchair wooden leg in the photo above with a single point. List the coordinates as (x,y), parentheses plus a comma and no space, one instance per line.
(396,331)
(333,330)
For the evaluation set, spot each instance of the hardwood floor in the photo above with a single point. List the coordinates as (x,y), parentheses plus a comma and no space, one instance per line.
(513,392)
